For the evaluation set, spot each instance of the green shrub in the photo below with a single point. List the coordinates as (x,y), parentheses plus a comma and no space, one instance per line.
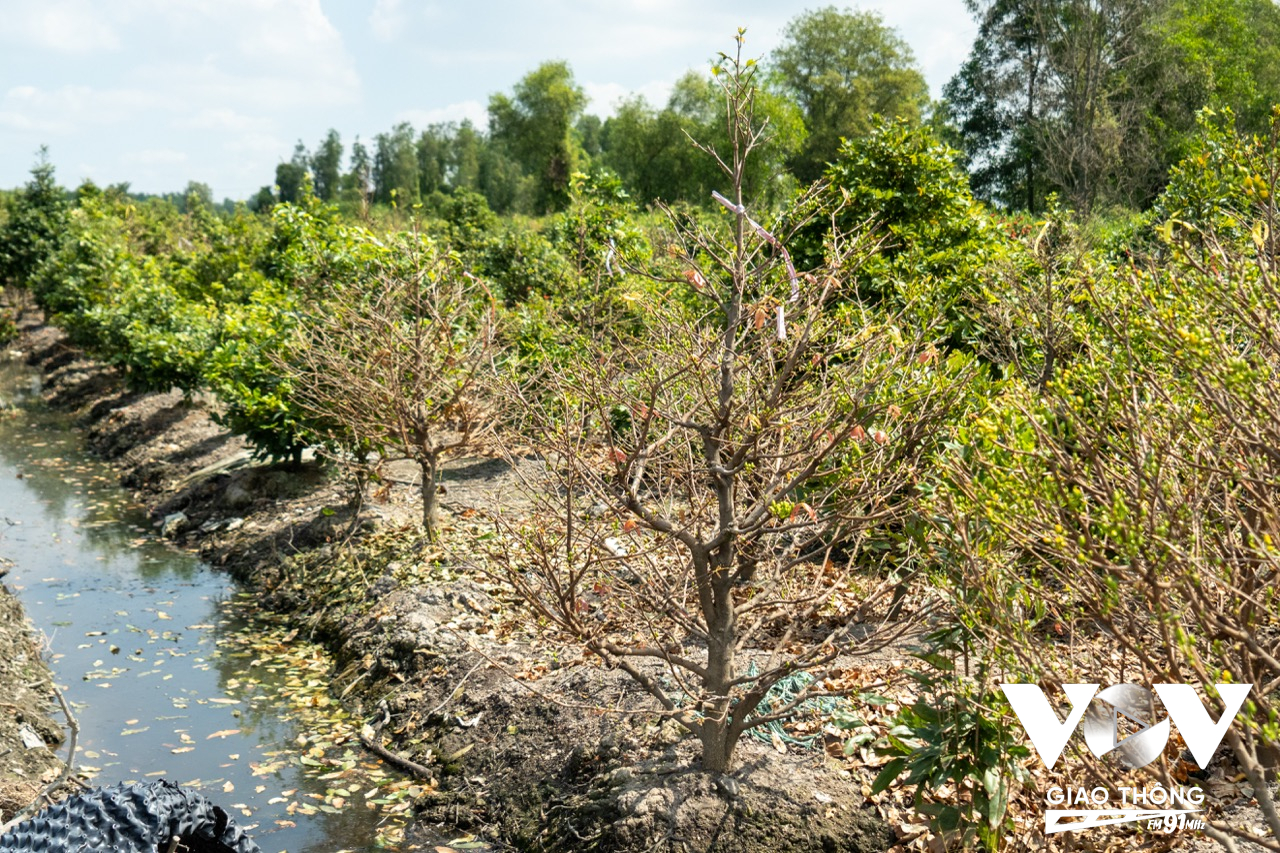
(959,735)
(522,264)
(33,227)
(255,397)
(906,186)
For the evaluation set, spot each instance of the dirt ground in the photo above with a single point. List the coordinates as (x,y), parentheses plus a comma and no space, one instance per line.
(28,733)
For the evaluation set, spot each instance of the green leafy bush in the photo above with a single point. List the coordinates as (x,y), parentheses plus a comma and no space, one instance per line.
(256,399)
(33,226)
(523,264)
(906,187)
(1224,186)
(961,735)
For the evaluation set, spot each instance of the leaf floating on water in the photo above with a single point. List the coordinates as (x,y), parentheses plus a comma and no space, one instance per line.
(181,749)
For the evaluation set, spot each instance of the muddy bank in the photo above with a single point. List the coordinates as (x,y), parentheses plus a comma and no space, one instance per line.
(29,735)
(28,732)
(514,738)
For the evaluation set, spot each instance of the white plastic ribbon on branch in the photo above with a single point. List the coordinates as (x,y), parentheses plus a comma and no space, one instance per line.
(775,243)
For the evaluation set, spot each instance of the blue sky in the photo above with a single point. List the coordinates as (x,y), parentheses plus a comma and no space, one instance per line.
(160,92)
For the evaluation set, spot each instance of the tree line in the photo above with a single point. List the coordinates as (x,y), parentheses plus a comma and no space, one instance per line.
(1094,100)
(835,71)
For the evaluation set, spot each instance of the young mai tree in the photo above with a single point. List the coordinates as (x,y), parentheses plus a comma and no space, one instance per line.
(713,480)
(397,368)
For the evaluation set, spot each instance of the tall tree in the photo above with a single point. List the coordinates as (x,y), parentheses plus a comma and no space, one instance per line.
(196,195)
(1223,53)
(262,200)
(395,166)
(995,100)
(654,151)
(35,224)
(843,68)
(291,176)
(433,158)
(1093,134)
(588,134)
(1096,99)
(534,125)
(464,157)
(326,166)
(358,182)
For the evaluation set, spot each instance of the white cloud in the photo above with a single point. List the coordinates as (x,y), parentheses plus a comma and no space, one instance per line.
(387,19)
(474,111)
(207,64)
(18,121)
(155,157)
(284,53)
(258,143)
(292,35)
(66,26)
(221,118)
(68,108)
(209,86)
(603,98)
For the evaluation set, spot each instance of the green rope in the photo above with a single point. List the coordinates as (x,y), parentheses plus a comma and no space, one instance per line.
(779,696)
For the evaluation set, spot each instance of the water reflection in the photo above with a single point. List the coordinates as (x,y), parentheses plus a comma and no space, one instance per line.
(167,674)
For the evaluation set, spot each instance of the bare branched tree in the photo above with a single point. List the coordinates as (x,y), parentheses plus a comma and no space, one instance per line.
(711,486)
(401,368)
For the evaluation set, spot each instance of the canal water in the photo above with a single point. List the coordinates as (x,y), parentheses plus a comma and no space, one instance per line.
(168,669)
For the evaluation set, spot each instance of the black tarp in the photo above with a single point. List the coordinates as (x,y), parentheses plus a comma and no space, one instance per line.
(129,819)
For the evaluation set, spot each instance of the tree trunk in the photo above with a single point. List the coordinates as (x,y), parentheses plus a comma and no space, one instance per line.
(718,735)
(430,503)
(717,748)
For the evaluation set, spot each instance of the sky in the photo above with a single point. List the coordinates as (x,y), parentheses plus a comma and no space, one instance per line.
(161,92)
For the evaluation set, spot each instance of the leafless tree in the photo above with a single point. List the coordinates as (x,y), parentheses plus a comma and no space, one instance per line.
(1107,75)
(401,367)
(711,485)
